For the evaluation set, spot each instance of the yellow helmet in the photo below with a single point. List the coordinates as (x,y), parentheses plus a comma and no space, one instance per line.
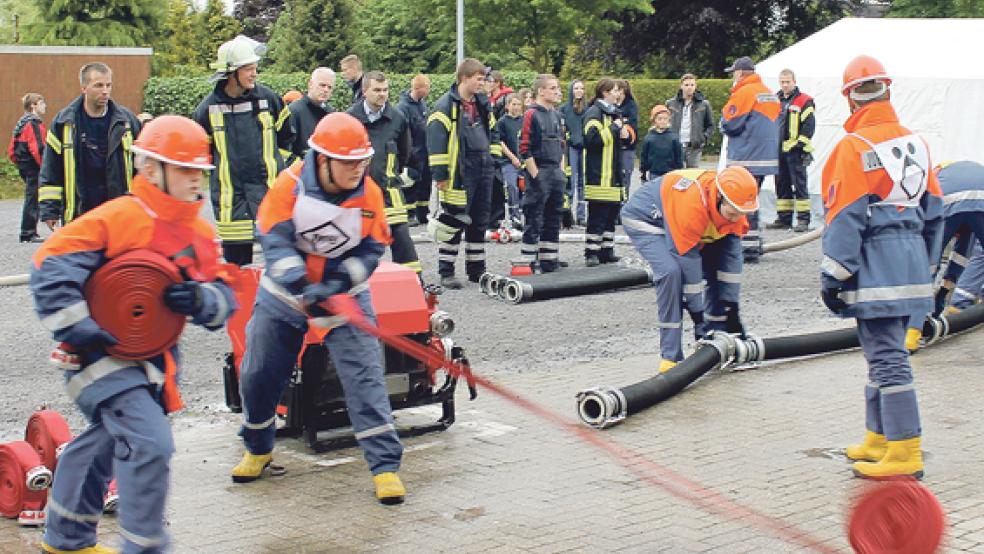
(236,53)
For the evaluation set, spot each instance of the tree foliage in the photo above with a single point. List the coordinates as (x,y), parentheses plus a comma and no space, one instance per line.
(704,36)
(257,16)
(98,22)
(936,8)
(189,39)
(16,18)
(312,33)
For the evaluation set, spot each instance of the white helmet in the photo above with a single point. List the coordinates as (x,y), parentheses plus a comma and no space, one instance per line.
(234,54)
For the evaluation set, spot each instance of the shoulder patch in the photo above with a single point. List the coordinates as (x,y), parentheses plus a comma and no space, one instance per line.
(683,184)
(766,97)
(870,161)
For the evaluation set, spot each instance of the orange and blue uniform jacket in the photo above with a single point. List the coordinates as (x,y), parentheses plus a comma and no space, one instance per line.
(148,218)
(289,269)
(750,119)
(878,252)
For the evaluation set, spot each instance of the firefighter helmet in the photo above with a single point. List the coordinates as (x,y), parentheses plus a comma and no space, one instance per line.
(339,135)
(862,69)
(738,188)
(292,96)
(176,140)
(236,53)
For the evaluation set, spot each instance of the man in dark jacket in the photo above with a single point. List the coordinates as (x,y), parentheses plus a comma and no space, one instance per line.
(26,146)
(308,111)
(351,67)
(690,119)
(796,126)
(391,142)
(249,126)
(413,106)
(461,143)
(87,158)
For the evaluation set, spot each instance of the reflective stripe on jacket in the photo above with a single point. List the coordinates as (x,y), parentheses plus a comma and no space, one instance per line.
(798,121)
(750,119)
(602,159)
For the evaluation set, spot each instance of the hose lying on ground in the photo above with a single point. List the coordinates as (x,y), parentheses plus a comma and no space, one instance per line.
(569,282)
(601,407)
(793,242)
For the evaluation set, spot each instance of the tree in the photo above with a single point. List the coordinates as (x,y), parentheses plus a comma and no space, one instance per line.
(406,37)
(936,8)
(257,16)
(180,40)
(312,33)
(16,18)
(215,27)
(98,22)
(703,37)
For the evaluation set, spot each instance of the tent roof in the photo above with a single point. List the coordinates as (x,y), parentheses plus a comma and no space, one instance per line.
(914,48)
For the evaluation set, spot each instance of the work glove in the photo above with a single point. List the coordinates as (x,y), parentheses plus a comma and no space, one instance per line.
(939,301)
(830,295)
(316,293)
(86,335)
(732,322)
(185,298)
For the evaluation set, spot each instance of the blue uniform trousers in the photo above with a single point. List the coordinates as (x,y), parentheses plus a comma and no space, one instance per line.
(890,396)
(542,207)
(272,346)
(129,437)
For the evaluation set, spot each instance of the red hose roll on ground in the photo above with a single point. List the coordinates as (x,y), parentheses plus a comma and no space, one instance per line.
(899,516)
(23,480)
(126,298)
(46,432)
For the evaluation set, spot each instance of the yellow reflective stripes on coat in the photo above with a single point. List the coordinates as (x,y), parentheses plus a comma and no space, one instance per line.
(68,159)
(449,159)
(269,146)
(796,117)
(127,142)
(437,159)
(604,191)
(414,265)
(283,117)
(453,197)
(390,165)
(49,192)
(235,230)
(222,167)
(53,142)
(495,149)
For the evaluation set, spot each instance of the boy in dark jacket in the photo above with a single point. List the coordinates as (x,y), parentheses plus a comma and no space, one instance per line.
(26,147)
(661,152)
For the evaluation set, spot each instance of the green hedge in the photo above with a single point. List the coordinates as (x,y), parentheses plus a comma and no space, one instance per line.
(11,185)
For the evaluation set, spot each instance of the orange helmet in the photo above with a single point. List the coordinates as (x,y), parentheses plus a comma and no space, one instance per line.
(292,95)
(658,109)
(339,135)
(862,69)
(738,188)
(175,140)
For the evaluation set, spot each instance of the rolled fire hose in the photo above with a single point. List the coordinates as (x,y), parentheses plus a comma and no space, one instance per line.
(23,479)
(47,432)
(601,407)
(126,298)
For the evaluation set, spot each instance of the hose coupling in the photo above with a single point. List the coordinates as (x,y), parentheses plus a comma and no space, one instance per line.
(601,407)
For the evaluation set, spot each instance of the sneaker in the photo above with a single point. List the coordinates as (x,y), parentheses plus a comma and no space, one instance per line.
(778,226)
(801,228)
(592,261)
(450,282)
(32,239)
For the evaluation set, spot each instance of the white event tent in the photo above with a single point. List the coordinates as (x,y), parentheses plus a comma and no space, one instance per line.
(937,89)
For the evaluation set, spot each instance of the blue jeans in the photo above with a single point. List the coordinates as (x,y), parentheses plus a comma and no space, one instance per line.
(576,190)
(510,175)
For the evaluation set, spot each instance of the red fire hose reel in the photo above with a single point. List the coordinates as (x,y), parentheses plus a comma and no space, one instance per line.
(126,298)
(27,469)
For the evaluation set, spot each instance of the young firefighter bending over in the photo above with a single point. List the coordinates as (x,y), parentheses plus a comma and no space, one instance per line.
(323,229)
(126,401)
(688,225)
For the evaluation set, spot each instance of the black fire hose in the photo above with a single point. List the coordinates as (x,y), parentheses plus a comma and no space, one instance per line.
(601,407)
(571,283)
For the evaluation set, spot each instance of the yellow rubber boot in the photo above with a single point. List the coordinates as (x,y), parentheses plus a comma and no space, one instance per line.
(901,458)
(251,467)
(912,337)
(95,549)
(871,450)
(666,365)
(389,488)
